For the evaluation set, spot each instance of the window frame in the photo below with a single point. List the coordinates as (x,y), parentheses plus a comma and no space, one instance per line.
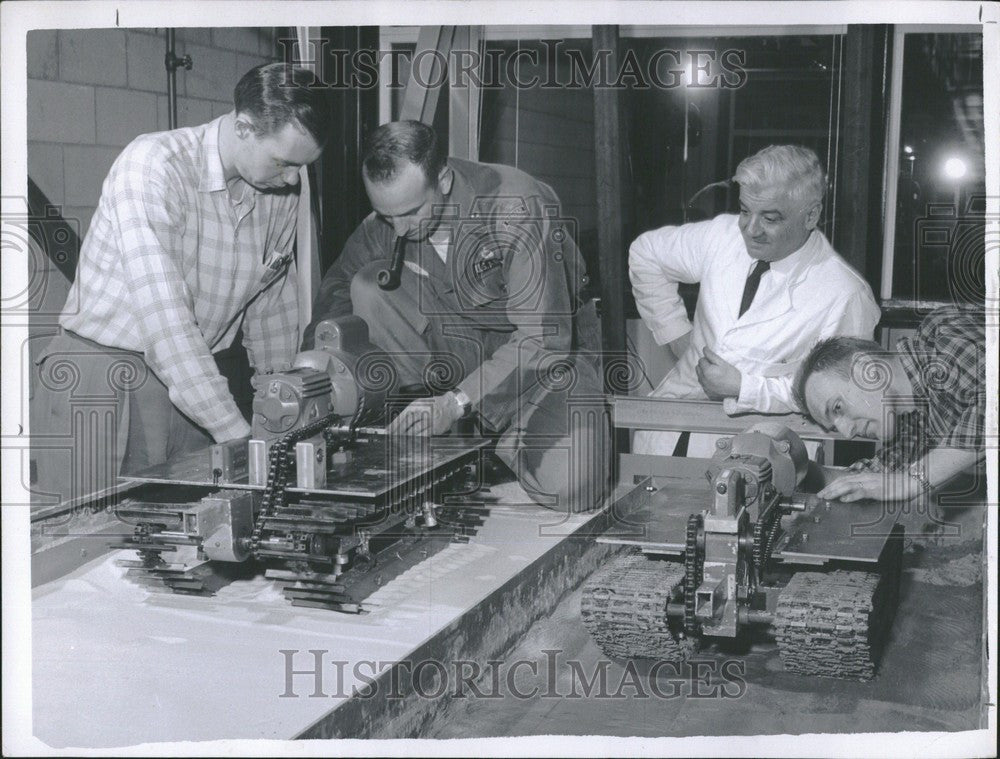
(890,180)
(390,35)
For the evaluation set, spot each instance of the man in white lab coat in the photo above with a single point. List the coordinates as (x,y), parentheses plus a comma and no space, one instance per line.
(771,287)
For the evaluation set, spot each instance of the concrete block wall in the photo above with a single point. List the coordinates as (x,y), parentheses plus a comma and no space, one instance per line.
(91,91)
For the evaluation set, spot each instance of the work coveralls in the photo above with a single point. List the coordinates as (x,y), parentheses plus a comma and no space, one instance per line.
(500,318)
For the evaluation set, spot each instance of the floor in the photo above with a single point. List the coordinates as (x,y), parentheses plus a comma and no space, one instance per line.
(929,679)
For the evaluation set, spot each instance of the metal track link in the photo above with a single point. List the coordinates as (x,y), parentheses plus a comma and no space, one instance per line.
(461,520)
(151,571)
(319,590)
(624,607)
(349,591)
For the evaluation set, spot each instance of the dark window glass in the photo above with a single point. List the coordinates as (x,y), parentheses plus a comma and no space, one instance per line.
(939,251)
(682,138)
(545,128)
(690,137)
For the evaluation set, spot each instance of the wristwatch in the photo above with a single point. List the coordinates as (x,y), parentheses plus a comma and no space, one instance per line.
(918,473)
(463,400)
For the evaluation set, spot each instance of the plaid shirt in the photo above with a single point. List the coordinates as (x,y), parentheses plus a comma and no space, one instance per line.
(946,363)
(174,263)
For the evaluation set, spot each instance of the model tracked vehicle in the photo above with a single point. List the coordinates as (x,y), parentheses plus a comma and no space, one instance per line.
(748,550)
(330,504)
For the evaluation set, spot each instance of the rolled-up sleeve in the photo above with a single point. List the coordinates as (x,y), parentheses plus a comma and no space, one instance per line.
(659,260)
(149,219)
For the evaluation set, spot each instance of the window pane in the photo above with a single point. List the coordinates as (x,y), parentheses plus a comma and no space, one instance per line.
(547,131)
(939,248)
(686,138)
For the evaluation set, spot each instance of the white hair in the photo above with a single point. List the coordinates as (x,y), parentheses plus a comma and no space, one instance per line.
(792,166)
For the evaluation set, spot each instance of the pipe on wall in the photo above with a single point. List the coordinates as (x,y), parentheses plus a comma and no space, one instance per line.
(172,63)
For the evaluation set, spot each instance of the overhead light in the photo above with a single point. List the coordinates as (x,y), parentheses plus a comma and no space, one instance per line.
(908,150)
(955,168)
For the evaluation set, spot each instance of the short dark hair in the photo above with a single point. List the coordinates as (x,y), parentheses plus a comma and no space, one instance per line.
(276,94)
(392,143)
(835,354)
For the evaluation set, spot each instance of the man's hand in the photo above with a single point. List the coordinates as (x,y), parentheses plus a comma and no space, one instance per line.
(881,486)
(719,379)
(427,416)
(679,346)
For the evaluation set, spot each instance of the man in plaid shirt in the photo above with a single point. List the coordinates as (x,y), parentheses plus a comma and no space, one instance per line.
(191,241)
(926,401)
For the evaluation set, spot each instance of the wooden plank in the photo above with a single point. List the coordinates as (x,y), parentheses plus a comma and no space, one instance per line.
(655,516)
(364,476)
(702,416)
(420,102)
(465,101)
(610,142)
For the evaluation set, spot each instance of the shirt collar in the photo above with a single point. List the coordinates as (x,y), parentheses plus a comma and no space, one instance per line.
(213,175)
(462,194)
(793,265)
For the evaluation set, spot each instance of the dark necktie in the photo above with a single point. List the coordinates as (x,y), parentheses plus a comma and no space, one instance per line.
(753,282)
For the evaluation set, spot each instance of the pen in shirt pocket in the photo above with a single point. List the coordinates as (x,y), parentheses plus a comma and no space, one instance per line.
(274,269)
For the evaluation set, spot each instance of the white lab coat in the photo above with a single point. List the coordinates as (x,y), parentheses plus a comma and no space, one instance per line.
(810,295)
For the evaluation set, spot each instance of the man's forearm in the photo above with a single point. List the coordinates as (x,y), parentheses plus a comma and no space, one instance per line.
(764,395)
(942,464)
